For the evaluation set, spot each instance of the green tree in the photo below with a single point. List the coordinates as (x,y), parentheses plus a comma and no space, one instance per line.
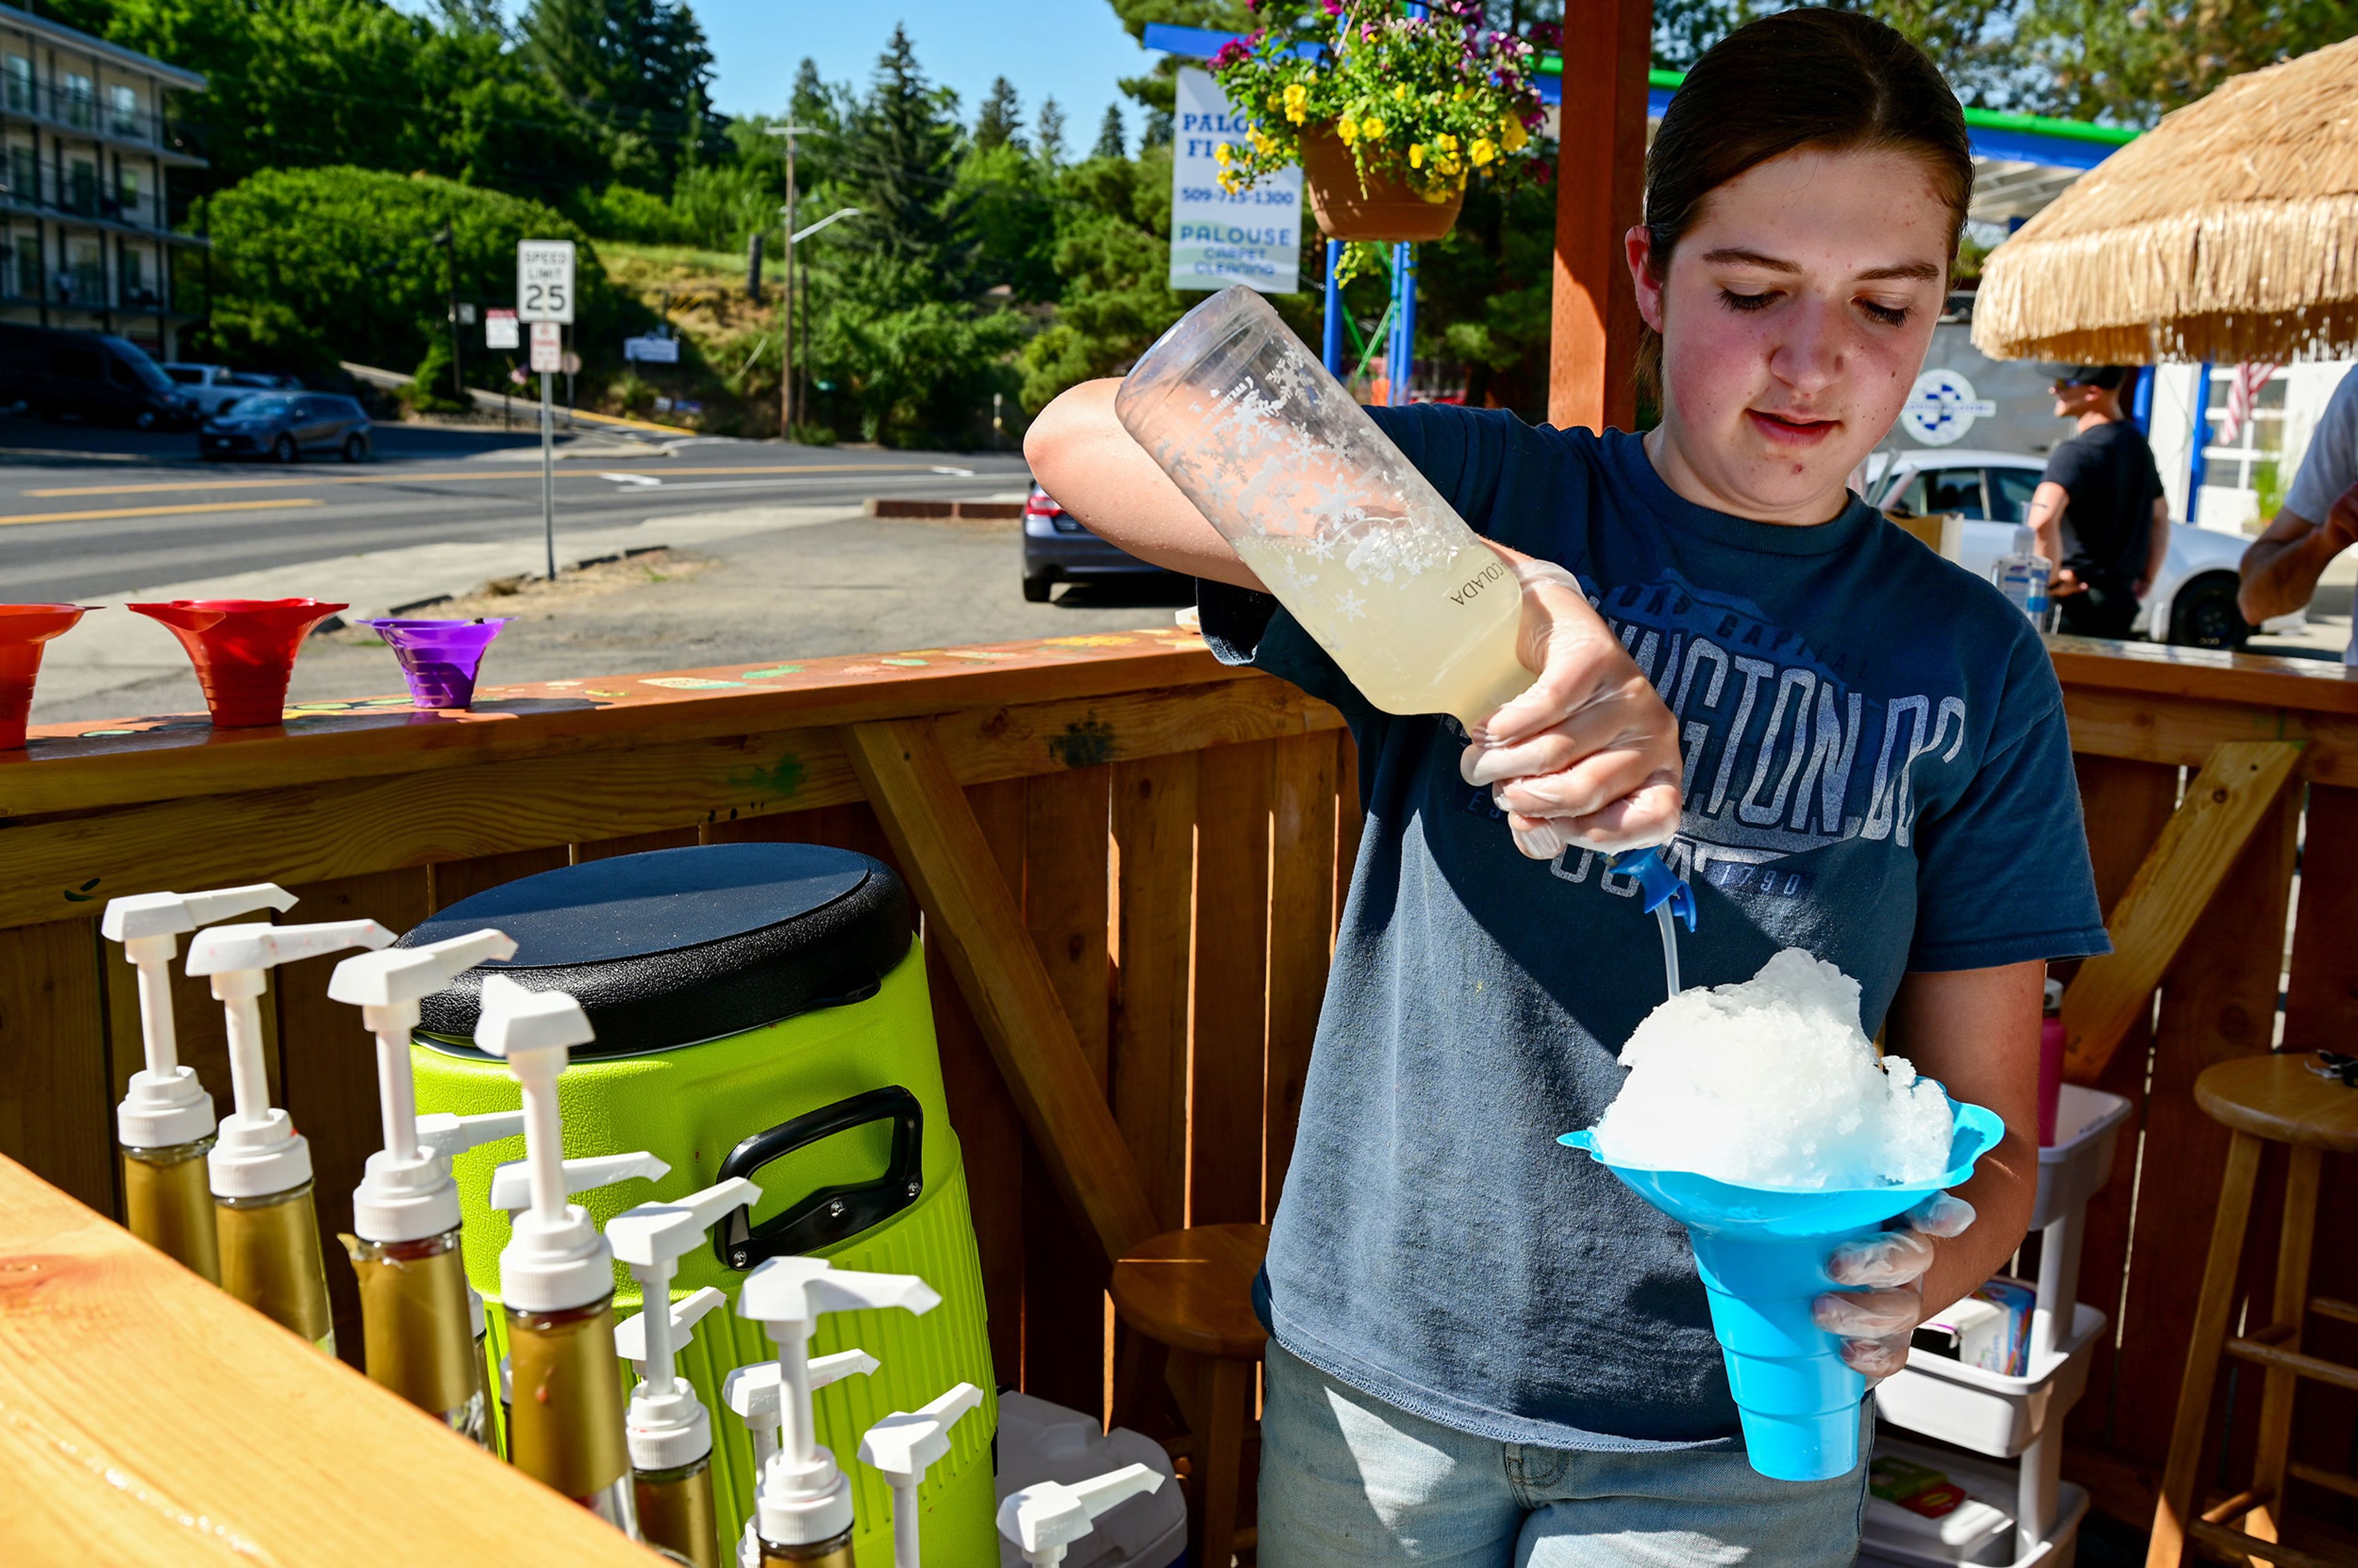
(1001,120)
(638,70)
(900,150)
(1109,134)
(1052,133)
(2132,64)
(314,265)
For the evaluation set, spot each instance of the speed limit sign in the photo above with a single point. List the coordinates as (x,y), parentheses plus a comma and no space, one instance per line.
(545,280)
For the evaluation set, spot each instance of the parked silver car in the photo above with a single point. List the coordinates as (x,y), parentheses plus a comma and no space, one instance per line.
(208,386)
(2194,603)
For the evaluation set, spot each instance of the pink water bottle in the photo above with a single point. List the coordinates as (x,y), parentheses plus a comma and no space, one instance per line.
(2050,1061)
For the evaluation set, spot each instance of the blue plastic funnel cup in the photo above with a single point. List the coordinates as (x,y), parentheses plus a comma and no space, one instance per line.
(1762,1253)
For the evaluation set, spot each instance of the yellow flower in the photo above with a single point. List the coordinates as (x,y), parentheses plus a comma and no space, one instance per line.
(1293,113)
(1228,182)
(1511,134)
(1222,154)
(1349,129)
(1482,151)
(1372,127)
(1295,93)
(1400,93)
(1416,155)
(1262,142)
(1446,141)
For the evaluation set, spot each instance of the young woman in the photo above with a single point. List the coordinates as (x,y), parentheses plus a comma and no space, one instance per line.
(1484,1350)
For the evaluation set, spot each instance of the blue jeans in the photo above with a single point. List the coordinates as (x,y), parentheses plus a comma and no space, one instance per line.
(1348,1480)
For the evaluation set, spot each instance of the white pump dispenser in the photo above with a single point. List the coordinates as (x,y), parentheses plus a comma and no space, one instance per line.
(1043,1519)
(259,1153)
(406,1193)
(667,1425)
(166,1104)
(512,1184)
(555,1259)
(903,1446)
(755,1393)
(803,1500)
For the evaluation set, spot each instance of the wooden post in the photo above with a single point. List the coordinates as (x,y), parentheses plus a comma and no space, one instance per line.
(1600,184)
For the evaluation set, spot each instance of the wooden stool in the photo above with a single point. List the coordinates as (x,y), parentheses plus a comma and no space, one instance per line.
(2274,1099)
(1191,1291)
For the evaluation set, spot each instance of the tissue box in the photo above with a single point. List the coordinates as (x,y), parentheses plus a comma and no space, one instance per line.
(1989,1329)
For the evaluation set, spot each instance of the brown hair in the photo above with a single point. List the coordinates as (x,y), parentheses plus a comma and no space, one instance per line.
(1810,78)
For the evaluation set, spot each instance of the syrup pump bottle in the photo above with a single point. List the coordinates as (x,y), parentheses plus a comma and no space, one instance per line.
(802,1510)
(755,1393)
(667,1429)
(166,1120)
(1043,1519)
(405,1249)
(557,1277)
(510,1193)
(903,1446)
(261,1167)
(446,1137)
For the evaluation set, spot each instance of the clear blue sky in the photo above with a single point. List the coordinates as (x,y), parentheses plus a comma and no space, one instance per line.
(1076,49)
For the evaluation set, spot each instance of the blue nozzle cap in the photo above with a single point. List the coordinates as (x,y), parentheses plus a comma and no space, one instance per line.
(1658,883)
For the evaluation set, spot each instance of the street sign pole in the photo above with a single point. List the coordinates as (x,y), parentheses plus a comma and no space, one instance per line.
(544,298)
(548,473)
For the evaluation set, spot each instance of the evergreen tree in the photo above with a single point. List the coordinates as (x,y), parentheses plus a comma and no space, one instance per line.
(900,154)
(1109,135)
(1052,133)
(1001,123)
(633,69)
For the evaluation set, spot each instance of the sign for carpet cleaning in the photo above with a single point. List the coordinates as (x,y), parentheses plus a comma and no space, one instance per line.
(547,347)
(545,280)
(1219,237)
(499,328)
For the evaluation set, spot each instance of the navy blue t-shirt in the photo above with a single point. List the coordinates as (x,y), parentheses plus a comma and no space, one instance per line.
(1876,770)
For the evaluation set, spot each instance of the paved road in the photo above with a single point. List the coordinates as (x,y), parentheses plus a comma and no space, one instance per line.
(85,512)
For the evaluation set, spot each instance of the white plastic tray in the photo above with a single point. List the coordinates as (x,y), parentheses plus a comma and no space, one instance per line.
(2059,1549)
(2078,1163)
(1989,1412)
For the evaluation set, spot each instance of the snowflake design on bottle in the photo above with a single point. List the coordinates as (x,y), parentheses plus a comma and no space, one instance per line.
(1350,606)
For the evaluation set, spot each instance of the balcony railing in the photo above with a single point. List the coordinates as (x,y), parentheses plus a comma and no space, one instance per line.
(90,114)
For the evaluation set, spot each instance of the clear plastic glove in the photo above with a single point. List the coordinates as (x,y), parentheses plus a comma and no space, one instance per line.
(1589,755)
(1875,1319)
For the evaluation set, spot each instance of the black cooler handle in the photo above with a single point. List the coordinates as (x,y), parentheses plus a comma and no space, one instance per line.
(831,1215)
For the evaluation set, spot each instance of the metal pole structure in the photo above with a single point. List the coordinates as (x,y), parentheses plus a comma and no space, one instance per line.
(1333,345)
(1400,352)
(787,358)
(449,244)
(548,472)
(2197,467)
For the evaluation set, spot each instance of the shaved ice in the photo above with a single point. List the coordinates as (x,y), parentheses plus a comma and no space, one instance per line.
(1771,1083)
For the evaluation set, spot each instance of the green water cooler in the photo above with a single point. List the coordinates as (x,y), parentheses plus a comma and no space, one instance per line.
(761,1012)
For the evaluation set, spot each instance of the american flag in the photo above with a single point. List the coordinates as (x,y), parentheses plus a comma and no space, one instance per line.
(2242,391)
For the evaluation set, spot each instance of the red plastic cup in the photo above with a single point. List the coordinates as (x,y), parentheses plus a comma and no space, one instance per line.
(23,629)
(244,650)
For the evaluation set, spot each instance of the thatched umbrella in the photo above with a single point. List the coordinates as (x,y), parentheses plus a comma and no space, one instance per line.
(2229,232)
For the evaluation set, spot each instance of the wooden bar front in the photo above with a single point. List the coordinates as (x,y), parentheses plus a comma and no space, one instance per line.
(1171,841)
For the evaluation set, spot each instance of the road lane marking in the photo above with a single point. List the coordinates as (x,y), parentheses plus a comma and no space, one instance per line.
(445,478)
(7,519)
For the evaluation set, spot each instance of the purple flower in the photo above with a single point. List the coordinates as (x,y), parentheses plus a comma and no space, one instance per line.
(1233,52)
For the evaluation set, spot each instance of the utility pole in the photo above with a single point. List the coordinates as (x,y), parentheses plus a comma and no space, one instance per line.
(786,293)
(450,307)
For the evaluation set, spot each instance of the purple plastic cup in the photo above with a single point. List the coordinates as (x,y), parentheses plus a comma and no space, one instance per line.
(440,658)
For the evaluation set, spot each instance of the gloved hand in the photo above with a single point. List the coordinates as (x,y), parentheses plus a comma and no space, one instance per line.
(1874,1322)
(1588,755)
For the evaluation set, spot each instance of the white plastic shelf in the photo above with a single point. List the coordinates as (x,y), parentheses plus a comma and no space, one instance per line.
(1990,1413)
(2078,1163)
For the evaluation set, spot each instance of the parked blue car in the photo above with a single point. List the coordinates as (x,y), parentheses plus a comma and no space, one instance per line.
(283,425)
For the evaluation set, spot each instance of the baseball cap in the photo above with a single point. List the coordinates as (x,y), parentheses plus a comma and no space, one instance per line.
(2109,377)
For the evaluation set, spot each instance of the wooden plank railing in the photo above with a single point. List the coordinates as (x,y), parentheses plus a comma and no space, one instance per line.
(1174,838)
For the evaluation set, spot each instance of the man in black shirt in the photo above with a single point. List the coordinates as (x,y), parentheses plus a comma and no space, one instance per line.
(2099,508)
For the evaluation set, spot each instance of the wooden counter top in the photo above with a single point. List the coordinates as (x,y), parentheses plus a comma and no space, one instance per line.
(147,1417)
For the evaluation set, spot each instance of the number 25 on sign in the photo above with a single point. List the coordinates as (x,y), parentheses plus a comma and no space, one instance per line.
(545,280)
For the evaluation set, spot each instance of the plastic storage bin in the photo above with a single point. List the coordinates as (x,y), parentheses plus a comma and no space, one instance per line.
(2059,1549)
(762,1011)
(1042,1442)
(1990,1413)
(2080,1161)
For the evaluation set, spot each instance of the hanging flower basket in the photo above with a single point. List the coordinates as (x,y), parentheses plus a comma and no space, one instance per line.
(1379,206)
(1388,113)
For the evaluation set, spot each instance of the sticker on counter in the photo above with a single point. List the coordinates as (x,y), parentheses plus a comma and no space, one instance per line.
(775,670)
(689,683)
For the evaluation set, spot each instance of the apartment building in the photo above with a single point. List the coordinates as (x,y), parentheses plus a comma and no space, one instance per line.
(86,144)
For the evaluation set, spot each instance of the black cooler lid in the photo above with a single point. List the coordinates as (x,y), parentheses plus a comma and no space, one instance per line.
(676,946)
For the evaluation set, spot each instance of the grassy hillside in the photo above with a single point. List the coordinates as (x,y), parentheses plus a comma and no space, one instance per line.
(729,350)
